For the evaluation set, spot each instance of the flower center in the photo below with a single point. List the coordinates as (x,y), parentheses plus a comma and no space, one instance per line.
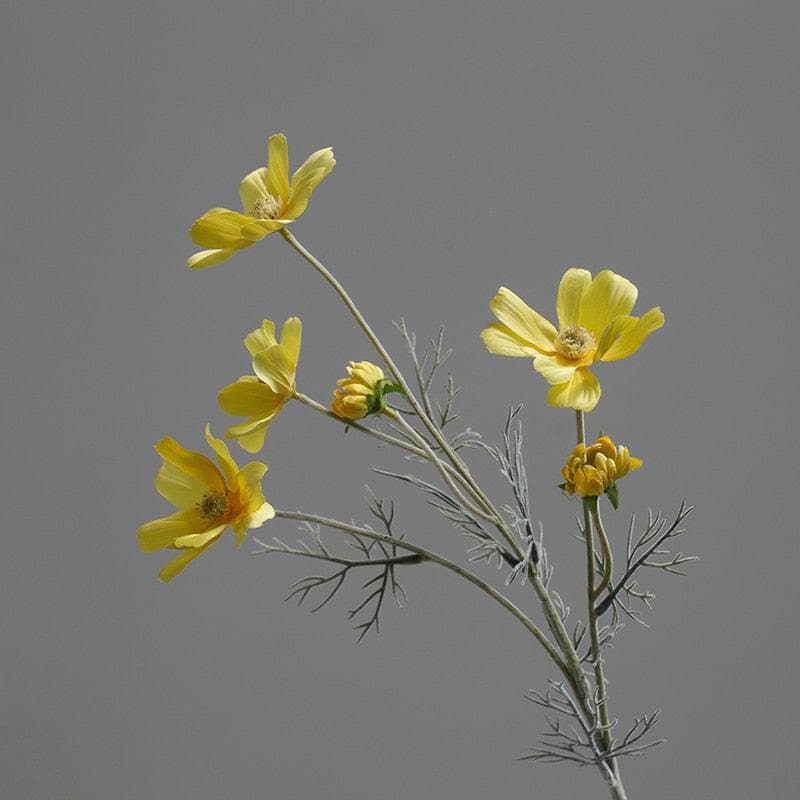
(266,208)
(575,342)
(213,506)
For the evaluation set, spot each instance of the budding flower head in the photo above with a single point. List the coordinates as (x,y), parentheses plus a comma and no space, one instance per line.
(594,470)
(361,393)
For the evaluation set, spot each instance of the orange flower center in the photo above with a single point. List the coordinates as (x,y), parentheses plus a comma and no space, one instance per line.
(575,342)
(267,208)
(213,506)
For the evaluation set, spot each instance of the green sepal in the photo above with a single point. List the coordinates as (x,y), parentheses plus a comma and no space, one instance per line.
(612,493)
(590,502)
(376,402)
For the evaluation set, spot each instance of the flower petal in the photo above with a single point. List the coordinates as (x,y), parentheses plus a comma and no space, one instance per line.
(248,480)
(264,512)
(277,178)
(253,188)
(162,533)
(177,565)
(249,399)
(210,258)
(555,369)
(218,228)
(202,538)
(502,341)
(305,180)
(182,490)
(571,290)
(276,368)
(195,464)
(632,338)
(291,337)
(257,229)
(252,441)
(261,338)
(581,392)
(226,463)
(609,296)
(523,321)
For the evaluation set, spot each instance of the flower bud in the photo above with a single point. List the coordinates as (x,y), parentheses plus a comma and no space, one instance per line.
(361,393)
(595,470)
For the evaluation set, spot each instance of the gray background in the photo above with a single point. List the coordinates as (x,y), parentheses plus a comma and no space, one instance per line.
(475,146)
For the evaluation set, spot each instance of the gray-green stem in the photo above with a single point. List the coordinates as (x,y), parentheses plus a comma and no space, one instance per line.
(429,555)
(604,737)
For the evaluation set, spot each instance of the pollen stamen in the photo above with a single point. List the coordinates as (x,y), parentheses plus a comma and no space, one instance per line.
(575,342)
(266,208)
(213,506)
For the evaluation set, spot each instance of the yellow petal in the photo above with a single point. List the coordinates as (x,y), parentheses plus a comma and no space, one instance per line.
(276,368)
(162,533)
(249,479)
(226,463)
(249,399)
(261,338)
(523,321)
(581,392)
(502,341)
(200,539)
(218,228)
(264,512)
(617,327)
(252,189)
(631,339)
(210,258)
(253,440)
(257,229)
(178,564)
(306,179)
(609,296)
(182,490)
(195,464)
(555,369)
(291,337)
(277,178)
(571,290)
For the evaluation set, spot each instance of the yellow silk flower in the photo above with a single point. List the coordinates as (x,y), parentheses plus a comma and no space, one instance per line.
(592,471)
(209,499)
(260,397)
(594,325)
(269,199)
(359,394)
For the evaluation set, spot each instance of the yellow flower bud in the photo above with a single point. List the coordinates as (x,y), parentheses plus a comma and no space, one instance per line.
(361,393)
(592,471)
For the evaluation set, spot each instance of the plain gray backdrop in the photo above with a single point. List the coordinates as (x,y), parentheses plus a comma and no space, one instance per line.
(477,145)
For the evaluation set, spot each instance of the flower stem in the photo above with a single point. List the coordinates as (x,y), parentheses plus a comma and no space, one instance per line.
(604,737)
(398,377)
(428,555)
(608,558)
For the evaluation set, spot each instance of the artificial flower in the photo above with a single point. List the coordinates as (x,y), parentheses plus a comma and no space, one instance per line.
(595,470)
(595,324)
(269,199)
(260,397)
(209,499)
(361,392)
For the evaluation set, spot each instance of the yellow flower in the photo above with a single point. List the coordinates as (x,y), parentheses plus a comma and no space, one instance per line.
(260,397)
(594,325)
(361,393)
(209,499)
(269,199)
(594,470)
